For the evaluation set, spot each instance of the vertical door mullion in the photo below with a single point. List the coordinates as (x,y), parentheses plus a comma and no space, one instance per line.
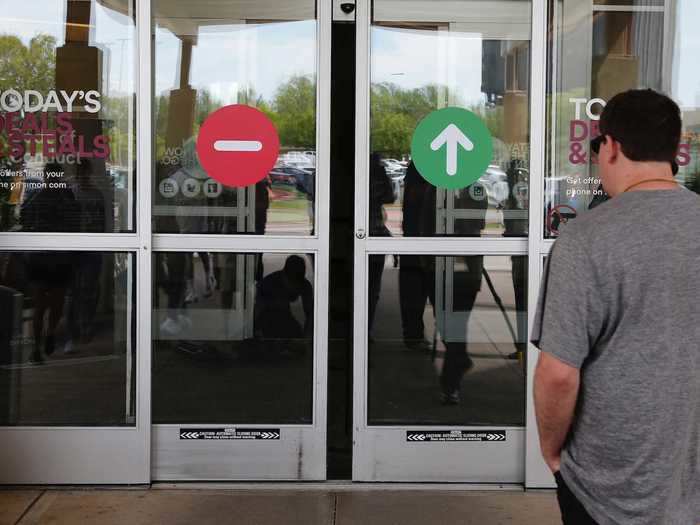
(322,232)
(144,165)
(362,115)
(536,473)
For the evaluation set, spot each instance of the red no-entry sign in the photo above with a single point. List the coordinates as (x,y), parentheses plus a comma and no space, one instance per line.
(238,145)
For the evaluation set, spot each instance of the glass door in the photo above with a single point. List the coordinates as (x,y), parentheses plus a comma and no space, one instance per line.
(240,235)
(74,342)
(441,265)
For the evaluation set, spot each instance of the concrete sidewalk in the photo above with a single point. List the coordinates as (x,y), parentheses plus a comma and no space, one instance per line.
(292,506)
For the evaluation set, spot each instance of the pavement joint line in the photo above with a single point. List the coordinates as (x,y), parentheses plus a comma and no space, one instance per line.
(30,506)
(335,508)
(338,487)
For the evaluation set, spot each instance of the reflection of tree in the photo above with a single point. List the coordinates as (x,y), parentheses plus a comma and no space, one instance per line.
(33,66)
(116,114)
(292,109)
(294,112)
(21,68)
(396,112)
(27,67)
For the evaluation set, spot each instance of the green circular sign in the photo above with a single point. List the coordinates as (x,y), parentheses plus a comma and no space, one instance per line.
(451,148)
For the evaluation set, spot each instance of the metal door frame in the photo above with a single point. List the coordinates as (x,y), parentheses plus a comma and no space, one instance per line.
(300,453)
(381,453)
(98,455)
(537,472)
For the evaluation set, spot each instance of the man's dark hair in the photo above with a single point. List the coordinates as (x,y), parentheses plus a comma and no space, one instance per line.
(295,268)
(647,124)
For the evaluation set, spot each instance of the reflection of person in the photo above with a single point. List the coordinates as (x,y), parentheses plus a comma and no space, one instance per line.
(171,268)
(91,201)
(467,284)
(262,204)
(380,193)
(85,289)
(49,273)
(191,180)
(616,386)
(416,279)
(516,225)
(50,209)
(276,292)
(85,294)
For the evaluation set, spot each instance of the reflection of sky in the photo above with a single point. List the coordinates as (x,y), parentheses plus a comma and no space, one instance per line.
(113,32)
(415,58)
(229,58)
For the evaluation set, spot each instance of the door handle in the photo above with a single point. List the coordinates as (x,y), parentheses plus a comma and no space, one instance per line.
(360,234)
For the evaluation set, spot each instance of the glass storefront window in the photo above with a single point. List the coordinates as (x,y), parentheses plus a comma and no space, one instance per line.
(431,55)
(596,52)
(67,116)
(261,55)
(67,338)
(447,339)
(233,338)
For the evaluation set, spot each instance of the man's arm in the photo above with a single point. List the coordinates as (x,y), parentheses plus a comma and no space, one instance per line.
(307,301)
(556,391)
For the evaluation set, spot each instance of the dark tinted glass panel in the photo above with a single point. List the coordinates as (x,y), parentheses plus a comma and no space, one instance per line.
(67,339)
(67,116)
(232,338)
(447,337)
(218,56)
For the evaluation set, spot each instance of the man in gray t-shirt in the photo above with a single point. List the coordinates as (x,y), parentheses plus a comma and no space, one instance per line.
(617,386)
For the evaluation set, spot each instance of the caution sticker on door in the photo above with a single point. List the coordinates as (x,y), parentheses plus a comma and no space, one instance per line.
(432,436)
(230,433)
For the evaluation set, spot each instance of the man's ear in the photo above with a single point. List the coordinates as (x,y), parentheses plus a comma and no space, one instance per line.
(615,149)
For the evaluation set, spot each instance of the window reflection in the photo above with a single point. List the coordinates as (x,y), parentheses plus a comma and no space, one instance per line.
(453,350)
(596,53)
(238,330)
(67,338)
(67,116)
(262,55)
(420,67)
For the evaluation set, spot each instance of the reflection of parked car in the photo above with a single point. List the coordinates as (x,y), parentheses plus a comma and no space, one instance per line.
(282,175)
(495,181)
(298,159)
(399,163)
(119,176)
(301,178)
(393,167)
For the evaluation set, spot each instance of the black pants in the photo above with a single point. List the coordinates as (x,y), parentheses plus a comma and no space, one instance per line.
(416,286)
(457,361)
(572,512)
(376,269)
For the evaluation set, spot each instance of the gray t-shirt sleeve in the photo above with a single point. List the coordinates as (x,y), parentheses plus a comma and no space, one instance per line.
(570,314)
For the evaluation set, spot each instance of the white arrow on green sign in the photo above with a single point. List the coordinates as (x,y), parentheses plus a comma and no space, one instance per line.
(451,148)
